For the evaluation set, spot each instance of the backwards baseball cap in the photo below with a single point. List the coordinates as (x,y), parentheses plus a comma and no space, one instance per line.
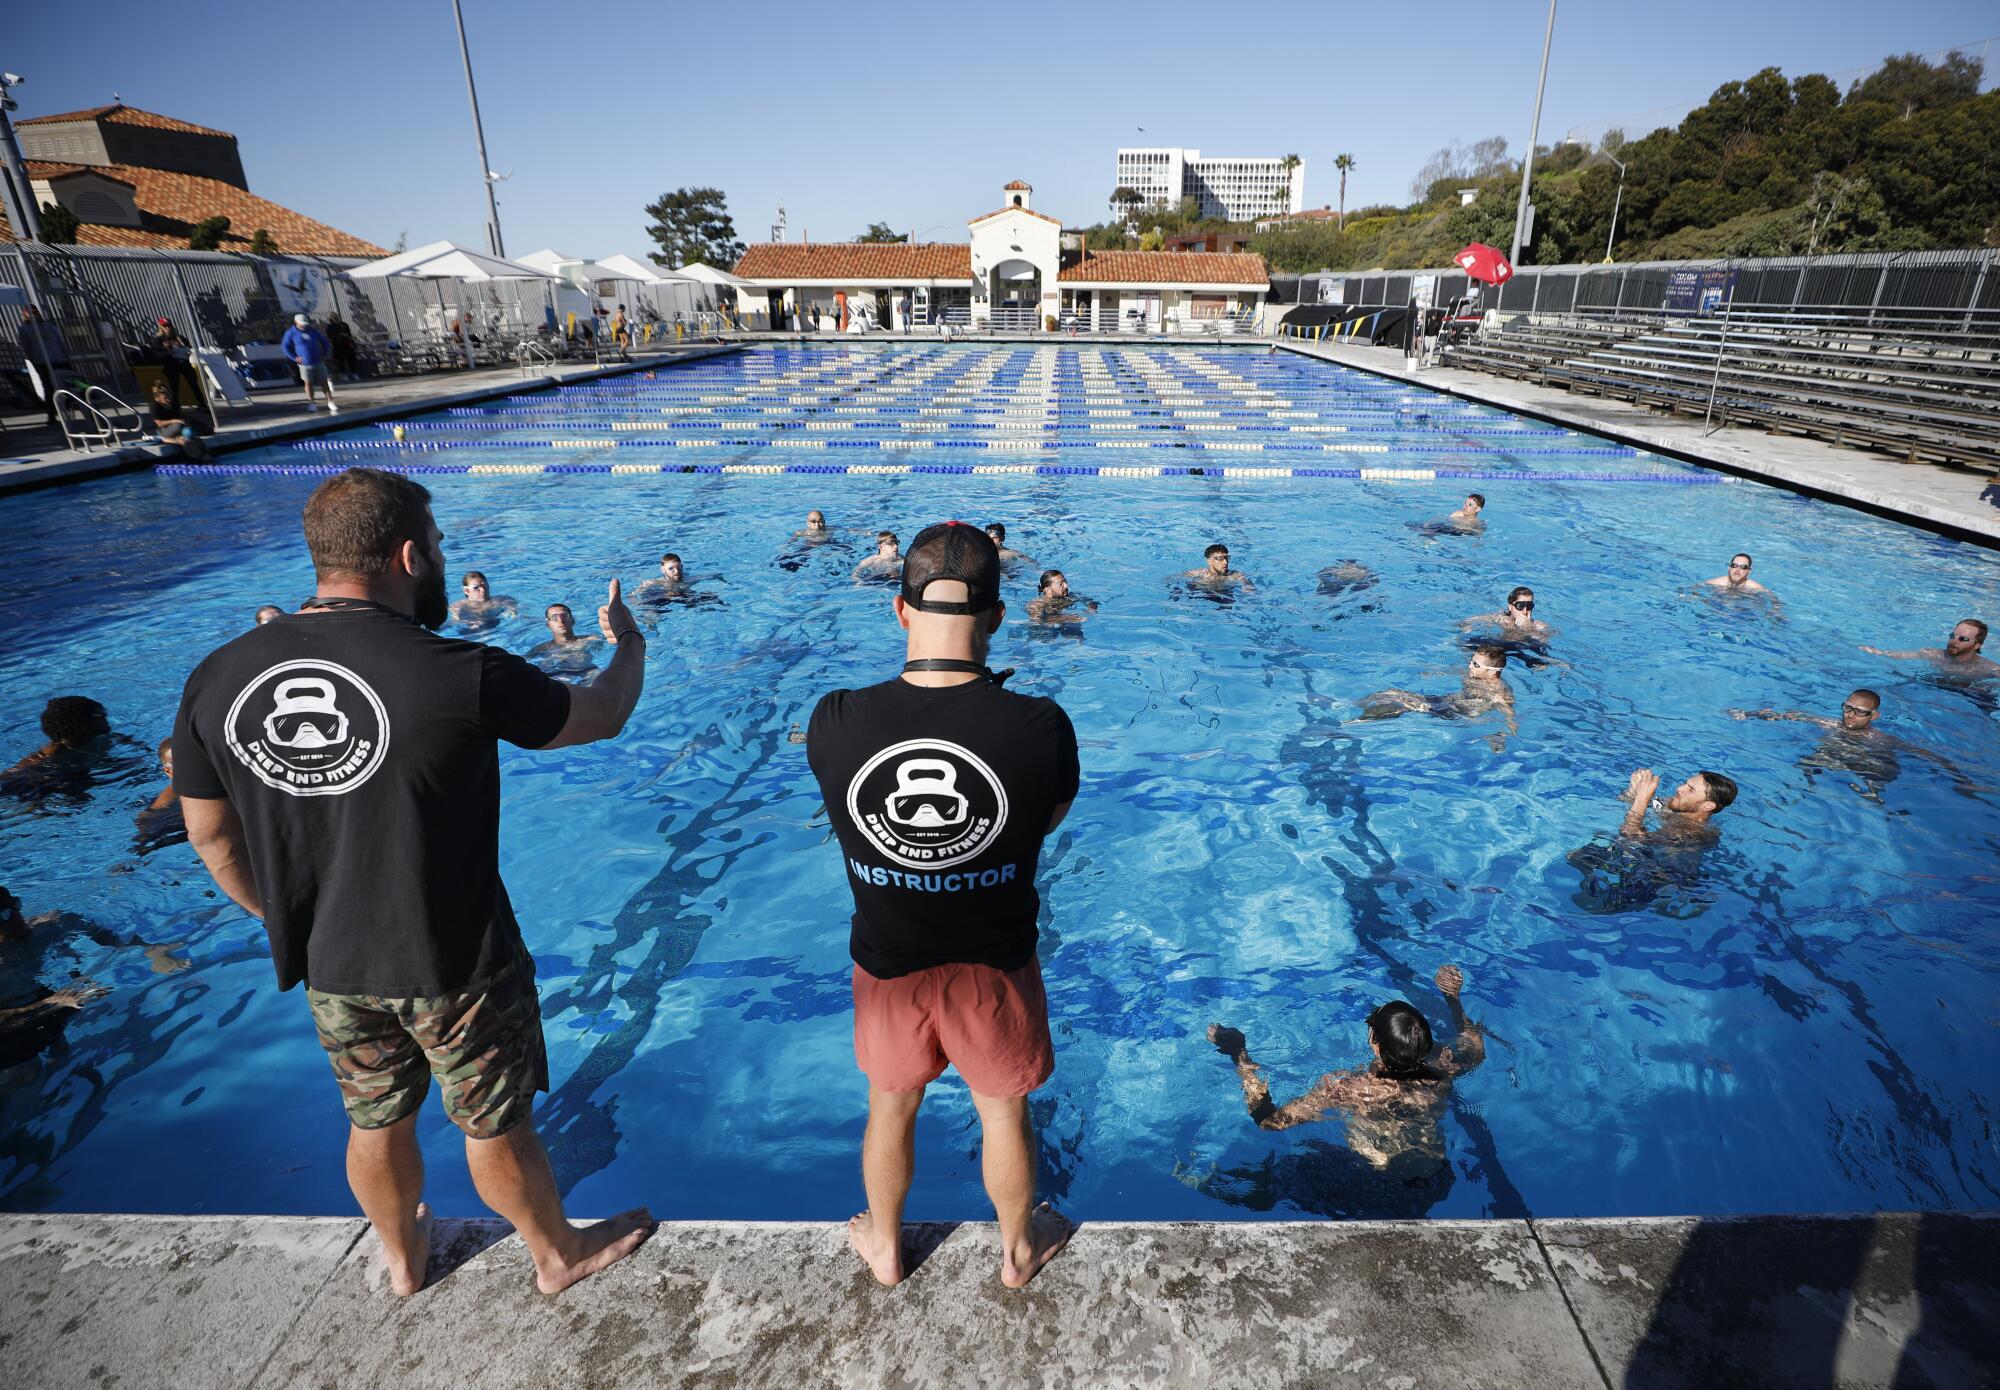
(163,323)
(952,550)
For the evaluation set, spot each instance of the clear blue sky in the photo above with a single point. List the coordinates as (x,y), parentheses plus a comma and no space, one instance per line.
(911,113)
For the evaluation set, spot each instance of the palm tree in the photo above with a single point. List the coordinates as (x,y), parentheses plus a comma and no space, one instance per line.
(1343,162)
(1287,164)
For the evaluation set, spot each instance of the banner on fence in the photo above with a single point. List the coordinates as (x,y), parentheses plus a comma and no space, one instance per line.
(300,287)
(1698,291)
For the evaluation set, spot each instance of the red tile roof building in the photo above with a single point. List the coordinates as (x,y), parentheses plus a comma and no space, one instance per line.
(176,174)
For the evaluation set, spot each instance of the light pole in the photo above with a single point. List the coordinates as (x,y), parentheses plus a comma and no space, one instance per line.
(486,174)
(1534,132)
(21,210)
(1616,202)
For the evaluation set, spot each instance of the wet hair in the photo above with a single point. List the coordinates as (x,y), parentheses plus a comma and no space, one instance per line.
(471,575)
(554,606)
(1217,549)
(1493,656)
(889,536)
(166,746)
(1744,556)
(996,530)
(1042,584)
(1402,1036)
(72,720)
(1977,627)
(1865,693)
(1478,497)
(1519,591)
(357,521)
(670,556)
(1721,789)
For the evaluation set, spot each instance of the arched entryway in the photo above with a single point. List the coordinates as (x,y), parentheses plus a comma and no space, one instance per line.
(1014,289)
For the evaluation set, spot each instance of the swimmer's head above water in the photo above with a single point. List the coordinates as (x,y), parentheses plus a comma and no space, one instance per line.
(1399,1037)
(1487,663)
(1703,794)
(74,721)
(1966,638)
(1052,584)
(997,533)
(816,521)
(1475,503)
(474,585)
(1858,710)
(670,567)
(887,547)
(1217,558)
(268,612)
(561,621)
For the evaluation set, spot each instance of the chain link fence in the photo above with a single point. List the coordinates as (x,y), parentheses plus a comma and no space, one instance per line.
(1949,294)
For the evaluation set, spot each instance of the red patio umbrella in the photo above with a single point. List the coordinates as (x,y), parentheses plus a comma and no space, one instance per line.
(1483,262)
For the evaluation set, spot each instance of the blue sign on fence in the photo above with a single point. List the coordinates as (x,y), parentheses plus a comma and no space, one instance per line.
(1698,291)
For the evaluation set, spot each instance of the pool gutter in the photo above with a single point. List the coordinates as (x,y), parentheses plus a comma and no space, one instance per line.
(293,1301)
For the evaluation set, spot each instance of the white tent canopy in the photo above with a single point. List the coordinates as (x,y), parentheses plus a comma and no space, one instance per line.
(444,260)
(708,274)
(623,267)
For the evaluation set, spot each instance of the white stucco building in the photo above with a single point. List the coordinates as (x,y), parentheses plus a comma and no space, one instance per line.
(1017,269)
(1236,190)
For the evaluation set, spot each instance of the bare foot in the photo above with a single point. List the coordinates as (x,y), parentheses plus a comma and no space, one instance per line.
(406,1275)
(883,1255)
(597,1247)
(1048,1233)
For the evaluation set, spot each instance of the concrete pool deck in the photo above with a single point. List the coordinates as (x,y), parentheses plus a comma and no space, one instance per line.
(136,1301)
(1926,494)
(281,415)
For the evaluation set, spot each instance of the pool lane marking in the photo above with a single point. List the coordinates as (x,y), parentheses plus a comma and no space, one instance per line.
(493,470)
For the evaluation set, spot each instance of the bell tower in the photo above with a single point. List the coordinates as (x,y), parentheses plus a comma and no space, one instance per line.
(1018,194)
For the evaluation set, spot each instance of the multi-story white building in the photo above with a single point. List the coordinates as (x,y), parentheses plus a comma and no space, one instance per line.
(1236,190)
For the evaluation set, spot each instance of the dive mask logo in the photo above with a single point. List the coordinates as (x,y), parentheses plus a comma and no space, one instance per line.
(927,804)
(308,728)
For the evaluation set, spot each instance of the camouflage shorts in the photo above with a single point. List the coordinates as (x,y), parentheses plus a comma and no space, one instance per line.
(484,1048)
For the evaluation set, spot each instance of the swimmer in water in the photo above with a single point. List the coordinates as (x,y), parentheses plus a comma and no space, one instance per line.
(479,610)
(565,654)
(1958,660)
(268,612)
(1517,619)
(160,824)
(886,563)
(670,583)
(80,747)
(1393,1104)
(1639,864)
(1856,746)
(1485,692)
(1054,603)
(1346,577)
(1215,575)
(1466,520)
(1737,580)
(997,533)
(815,531)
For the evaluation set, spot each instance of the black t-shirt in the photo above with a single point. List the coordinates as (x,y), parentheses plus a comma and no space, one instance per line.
(941,797)
(358,750)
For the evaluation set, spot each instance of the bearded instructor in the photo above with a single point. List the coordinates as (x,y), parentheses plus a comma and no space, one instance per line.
(338,772)
(940,785)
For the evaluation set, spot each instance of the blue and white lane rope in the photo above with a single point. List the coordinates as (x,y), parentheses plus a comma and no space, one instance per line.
(1082,470)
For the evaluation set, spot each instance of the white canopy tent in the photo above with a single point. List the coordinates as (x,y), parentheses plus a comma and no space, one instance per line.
(715,281)
(485,312)
(444,260)
(623,280)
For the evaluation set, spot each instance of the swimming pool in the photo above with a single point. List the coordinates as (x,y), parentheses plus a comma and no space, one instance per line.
(1805,1026)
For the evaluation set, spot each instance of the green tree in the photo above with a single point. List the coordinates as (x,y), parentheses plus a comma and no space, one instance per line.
(1343,162)
(1125,201)
(879,233)
(1152,239)
(1909,84)
(207,234)
(59,225)
(261,243)
(1283,201)
(693,224)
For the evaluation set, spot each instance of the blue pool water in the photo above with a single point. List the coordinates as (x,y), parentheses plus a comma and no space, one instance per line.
(1806,1025)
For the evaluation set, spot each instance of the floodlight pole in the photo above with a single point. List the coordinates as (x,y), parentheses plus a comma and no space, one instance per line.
(20,191)
(493,242)
(1534,132)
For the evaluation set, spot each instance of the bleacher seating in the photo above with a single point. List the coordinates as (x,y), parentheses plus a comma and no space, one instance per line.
(1922,392)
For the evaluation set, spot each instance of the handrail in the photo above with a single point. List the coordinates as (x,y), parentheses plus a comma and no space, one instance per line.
(86,439)
(528,352)
(138,426)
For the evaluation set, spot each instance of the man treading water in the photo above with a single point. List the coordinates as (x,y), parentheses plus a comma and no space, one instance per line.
(1054,603)
(1639,864)
(1958,660)
(1215,576)
(480,610)
(997,533)
(1854,745)
(1737,580)
(1392,1104)
(1466,521)
(885,565)
(1485,691)
(565,655)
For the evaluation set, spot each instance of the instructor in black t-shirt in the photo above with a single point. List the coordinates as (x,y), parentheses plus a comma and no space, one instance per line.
(940,785)
(339,776)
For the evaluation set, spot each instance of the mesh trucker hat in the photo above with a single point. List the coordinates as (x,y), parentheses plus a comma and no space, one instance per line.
(952,550)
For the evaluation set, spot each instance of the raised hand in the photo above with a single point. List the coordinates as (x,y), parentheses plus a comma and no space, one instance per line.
(1450,980)
(614,617)
(1228,1041)
(1642,786)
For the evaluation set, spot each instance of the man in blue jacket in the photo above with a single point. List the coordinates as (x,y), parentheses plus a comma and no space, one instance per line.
(309,350)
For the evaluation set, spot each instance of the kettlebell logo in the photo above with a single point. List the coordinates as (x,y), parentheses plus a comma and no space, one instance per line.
(308,728)
(928,804)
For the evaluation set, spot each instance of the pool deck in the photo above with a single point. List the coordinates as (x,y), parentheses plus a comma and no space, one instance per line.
(281,415)
(1946,500)
(136,1301)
